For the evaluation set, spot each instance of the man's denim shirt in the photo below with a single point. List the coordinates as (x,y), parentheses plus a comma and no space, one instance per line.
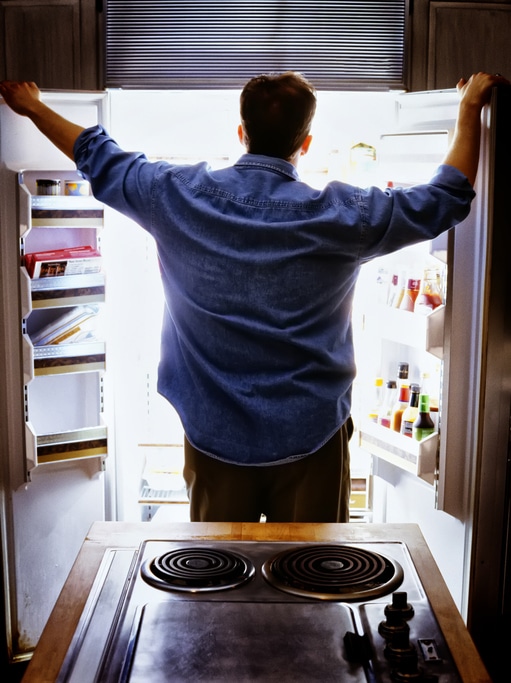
(259,271)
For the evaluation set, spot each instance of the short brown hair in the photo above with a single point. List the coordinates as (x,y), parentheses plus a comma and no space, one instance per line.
(276,113)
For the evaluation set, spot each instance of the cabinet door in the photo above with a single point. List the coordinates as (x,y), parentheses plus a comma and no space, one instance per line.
(467,37)
(51,42)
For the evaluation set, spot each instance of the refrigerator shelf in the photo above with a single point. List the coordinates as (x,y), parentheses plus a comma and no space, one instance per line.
(58,211)
(70,217)
(360,495)
(64,290)
(417,457)
(418,331)
(57,359)
(90,442)
(151,496)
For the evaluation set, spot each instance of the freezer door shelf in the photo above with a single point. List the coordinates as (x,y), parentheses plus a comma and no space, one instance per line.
(59,359)
(417,457)
(412,329)
(65,290)
(90,442)
(58,211)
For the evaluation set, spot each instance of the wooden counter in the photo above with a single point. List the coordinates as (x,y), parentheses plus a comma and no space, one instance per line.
(56,637)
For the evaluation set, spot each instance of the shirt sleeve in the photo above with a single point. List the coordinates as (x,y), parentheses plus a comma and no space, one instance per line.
(396,217)
(123,180)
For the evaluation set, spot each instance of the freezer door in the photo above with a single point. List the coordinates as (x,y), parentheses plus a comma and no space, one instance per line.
(45,515)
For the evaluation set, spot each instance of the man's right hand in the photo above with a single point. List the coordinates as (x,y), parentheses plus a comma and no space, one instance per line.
(21,97)
(24,98)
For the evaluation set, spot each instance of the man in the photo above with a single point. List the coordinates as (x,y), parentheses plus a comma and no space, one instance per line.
(259,271)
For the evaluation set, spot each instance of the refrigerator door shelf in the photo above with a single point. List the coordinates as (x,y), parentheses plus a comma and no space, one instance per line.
(57,359)
(57,292)
(90,442)
(424,332)
(64,290)
(66,218)
(417,457)
(57,211)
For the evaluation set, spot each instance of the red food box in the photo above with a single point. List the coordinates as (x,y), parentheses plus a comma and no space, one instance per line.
(70,261)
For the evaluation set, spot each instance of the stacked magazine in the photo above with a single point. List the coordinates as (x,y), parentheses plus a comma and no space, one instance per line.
(73,326)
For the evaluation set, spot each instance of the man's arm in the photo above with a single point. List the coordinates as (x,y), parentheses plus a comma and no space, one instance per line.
(25,99)
(463,152)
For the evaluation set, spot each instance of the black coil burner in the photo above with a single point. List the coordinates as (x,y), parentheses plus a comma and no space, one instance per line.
(333,572)
(197,569)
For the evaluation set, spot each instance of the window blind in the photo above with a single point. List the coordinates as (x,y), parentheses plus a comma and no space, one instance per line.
(337,44)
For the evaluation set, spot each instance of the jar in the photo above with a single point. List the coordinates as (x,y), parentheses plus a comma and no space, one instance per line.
(74,188)
(430,295)
(45,186)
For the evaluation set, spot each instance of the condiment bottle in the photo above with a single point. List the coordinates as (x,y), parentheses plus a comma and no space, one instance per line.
(377,401)
(402,399)
(425,383)
(410,413)
(399,407)
(423,425)
(388,402)
(393,290)
(410,295)
(397,289)
(429,296)
(402,372)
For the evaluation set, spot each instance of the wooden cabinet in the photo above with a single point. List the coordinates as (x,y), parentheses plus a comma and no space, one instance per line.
(451,40)
(52,42)
(59,45)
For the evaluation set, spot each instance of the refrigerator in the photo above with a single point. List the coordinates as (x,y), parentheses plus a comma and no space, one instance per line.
(82,427)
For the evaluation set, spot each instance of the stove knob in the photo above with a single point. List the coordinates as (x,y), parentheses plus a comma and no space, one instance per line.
(392,625)
(417,676)
(401,654)
(411,673)
(401,605)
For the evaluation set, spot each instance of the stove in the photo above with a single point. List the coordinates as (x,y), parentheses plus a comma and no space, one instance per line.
(258,611)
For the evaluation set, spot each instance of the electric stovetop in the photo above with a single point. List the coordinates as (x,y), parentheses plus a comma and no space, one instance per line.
(258,611)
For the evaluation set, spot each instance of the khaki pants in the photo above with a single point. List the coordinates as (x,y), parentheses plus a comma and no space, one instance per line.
(313,489)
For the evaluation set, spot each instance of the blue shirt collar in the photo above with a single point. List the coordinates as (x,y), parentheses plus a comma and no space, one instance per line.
(270,163)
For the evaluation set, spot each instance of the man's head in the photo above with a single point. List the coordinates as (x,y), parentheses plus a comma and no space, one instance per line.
(276,114)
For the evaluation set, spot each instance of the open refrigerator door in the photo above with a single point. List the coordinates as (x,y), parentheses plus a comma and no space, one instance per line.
(399,317)
(55,480)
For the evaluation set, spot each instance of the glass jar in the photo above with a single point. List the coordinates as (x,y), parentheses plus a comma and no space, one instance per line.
(430,295)
(46,186)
